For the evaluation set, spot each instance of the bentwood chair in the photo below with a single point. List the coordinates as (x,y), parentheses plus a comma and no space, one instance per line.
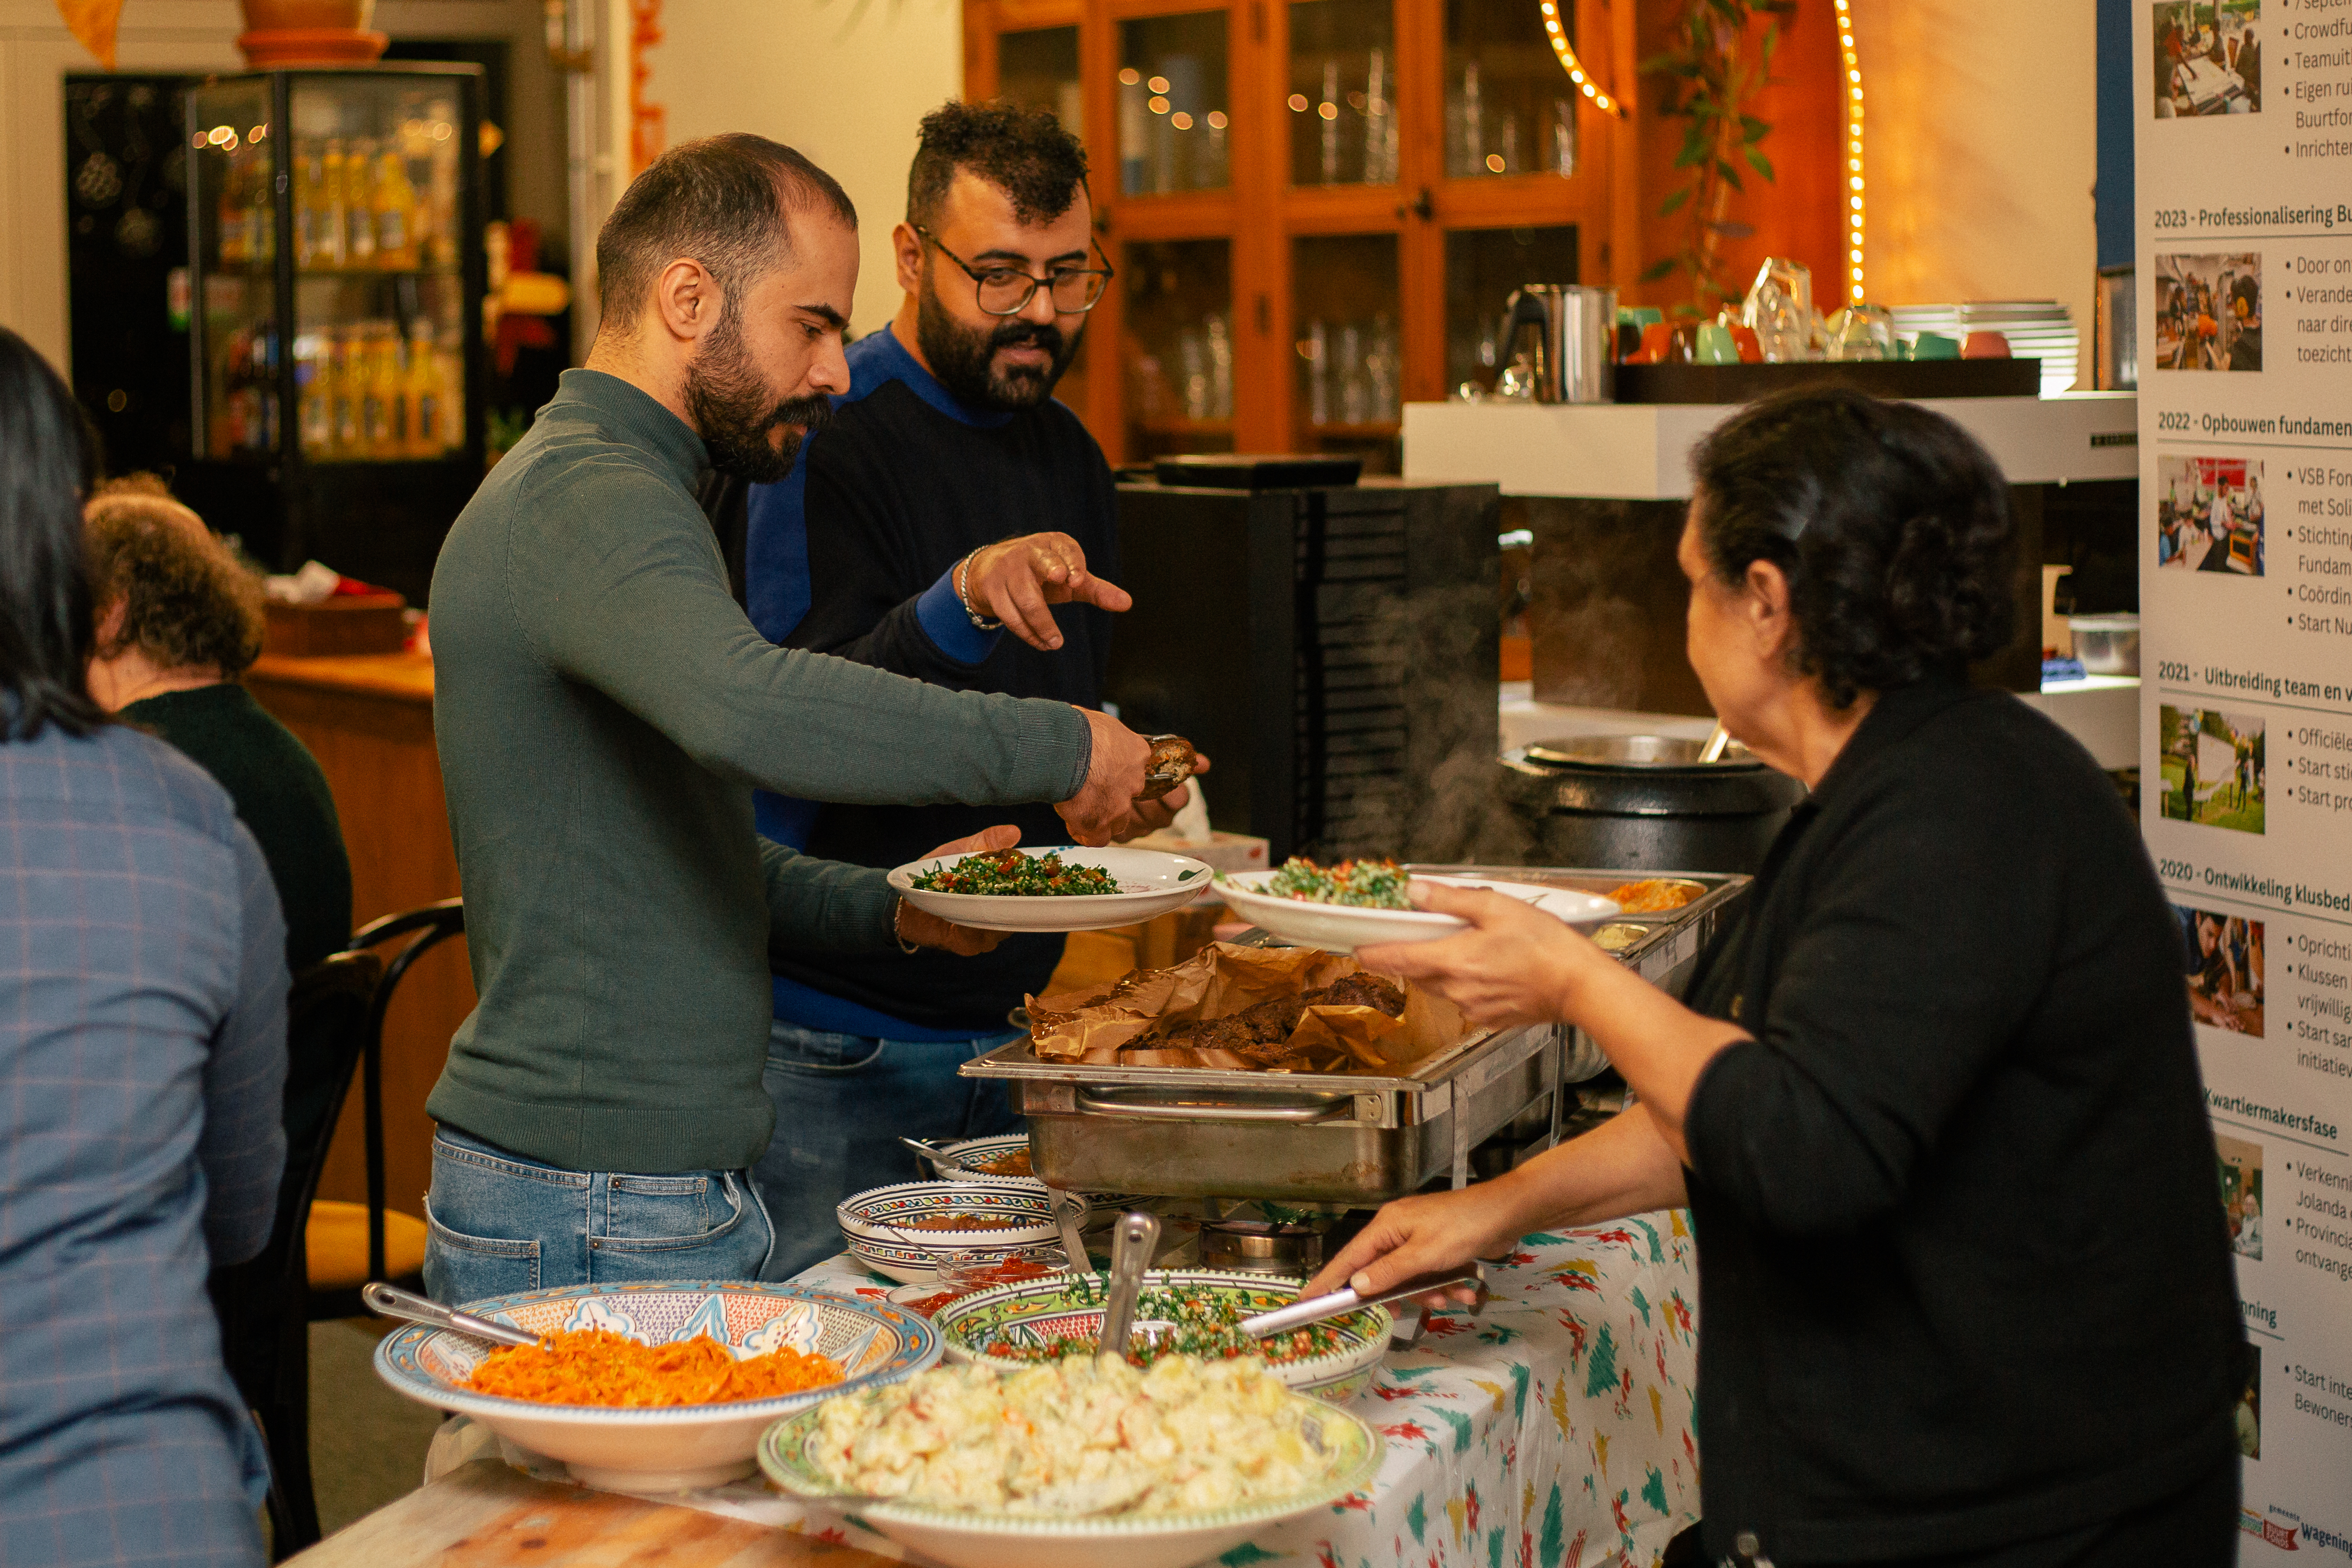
(263,1302)
(394,1247)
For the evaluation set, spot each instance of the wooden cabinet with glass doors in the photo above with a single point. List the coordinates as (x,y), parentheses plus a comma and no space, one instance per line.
(1316,208)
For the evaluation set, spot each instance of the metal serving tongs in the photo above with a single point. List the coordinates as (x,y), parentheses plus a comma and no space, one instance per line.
(1338,1303)
(1131,1244)
(395,1303)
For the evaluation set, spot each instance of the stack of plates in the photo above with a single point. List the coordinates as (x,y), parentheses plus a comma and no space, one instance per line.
(2036,329)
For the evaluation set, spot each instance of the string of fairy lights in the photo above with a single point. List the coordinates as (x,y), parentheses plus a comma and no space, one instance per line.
(1574,67)
(1852,102)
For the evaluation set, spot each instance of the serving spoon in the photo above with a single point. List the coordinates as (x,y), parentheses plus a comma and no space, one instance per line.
(1130,1254)
(389,1302)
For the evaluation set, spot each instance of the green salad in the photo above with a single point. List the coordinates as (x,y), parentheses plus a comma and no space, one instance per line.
(1366,884)
(1010,871)
(1207,1320)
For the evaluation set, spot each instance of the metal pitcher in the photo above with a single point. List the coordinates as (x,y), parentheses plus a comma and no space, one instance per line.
(1575,358)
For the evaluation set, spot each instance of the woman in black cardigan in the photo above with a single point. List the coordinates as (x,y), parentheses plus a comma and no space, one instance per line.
(1964,1280)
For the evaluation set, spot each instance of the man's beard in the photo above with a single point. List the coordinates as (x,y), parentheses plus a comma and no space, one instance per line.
(734,411)
(964,359)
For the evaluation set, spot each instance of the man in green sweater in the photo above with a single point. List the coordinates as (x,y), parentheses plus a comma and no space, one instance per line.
(605,709)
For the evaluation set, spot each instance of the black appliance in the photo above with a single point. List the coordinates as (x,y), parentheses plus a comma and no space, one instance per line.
(1333,648)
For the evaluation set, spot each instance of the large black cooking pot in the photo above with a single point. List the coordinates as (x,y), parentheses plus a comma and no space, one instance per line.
(1646,803)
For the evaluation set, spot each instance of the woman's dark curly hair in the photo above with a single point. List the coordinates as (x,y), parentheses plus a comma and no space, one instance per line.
(1890,522)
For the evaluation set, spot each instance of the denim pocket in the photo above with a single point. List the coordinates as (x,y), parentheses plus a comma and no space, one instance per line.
(460,1267)
(824,1055)
(657,1209)
(734,1248)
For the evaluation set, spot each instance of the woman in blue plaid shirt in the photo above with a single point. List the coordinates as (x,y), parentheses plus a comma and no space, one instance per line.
(142,1047)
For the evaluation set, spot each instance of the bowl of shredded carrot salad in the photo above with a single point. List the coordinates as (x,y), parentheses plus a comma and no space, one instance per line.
(659,1386)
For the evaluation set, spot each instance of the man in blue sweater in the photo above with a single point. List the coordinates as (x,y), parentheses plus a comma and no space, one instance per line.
(908,536)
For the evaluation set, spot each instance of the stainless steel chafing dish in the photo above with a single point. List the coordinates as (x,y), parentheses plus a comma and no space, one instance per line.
(1339,1138)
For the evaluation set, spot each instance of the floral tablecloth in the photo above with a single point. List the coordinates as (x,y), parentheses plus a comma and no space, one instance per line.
(1553,1431)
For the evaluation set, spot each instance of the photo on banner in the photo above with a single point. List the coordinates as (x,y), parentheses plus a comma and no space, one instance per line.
(2225,966)
(2242,1193)
(2250,1406)
(2209,58)
(2209,312)
(2213,767)
(2209,514)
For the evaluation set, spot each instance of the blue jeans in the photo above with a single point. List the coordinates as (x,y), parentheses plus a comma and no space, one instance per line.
(497,1223)
(843,1101)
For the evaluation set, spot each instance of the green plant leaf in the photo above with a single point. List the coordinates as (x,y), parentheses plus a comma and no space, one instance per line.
(1657,270)
(1758,162)
(1752,129)
(1730,175)
(1672,204)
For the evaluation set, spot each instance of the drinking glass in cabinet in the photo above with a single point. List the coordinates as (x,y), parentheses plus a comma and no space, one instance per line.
(1039,70)
(1350,369)
(1172,121)
(1509,108)
(1180,345)
(1342,104)
(1483,265)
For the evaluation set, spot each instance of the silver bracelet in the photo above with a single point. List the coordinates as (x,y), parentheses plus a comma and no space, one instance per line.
(957,579)
(898,915)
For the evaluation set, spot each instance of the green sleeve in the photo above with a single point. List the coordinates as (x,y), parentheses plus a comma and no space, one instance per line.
(620,585)
(824,906)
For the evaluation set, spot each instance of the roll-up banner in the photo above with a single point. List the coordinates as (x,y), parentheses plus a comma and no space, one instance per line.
(2244,272)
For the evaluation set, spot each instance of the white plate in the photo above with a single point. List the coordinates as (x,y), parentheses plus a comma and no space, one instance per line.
(1151,882)
(1343,927)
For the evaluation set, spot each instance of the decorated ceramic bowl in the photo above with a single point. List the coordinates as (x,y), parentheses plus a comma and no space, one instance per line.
(969,1161)
(672,1447)
(965,1539)
(1041,1312)
(909,1232)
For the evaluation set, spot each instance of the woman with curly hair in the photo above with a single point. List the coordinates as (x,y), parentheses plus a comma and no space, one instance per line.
(1932,1098)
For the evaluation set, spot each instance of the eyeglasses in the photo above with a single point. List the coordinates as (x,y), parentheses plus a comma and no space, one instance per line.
(1007,290)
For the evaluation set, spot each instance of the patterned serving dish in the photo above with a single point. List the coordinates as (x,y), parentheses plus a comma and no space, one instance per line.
(1042,1310)
(673,1447)
(956,1160)
(965,1539)
(876,1224)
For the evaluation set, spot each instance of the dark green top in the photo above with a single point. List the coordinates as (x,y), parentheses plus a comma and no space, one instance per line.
(283,800)
(603,709)
(280,794)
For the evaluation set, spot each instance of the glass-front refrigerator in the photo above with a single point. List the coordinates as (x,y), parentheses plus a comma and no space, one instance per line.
(336,269)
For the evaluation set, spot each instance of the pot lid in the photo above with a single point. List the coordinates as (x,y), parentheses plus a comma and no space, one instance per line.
(1644,751)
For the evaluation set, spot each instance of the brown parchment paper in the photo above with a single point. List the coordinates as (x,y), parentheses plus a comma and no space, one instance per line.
(1110,1025)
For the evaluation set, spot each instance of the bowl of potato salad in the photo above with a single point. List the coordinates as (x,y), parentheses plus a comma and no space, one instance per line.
(1077,1462)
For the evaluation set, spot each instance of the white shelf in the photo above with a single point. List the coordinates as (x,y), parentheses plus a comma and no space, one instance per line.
(1641,451)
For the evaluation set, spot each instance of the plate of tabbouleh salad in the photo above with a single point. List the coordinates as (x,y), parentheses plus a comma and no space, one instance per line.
(1356,903)
(1062,888)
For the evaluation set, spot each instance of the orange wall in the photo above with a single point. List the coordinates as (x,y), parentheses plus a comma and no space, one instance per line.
(1794,214)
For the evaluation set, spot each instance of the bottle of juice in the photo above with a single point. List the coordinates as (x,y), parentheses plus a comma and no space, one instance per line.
(310,378)
(343,393)
(235,215)
(261,220)
(374,407)
(331,221)
(394,200)
(423,393)
(359,203)
(309,175)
